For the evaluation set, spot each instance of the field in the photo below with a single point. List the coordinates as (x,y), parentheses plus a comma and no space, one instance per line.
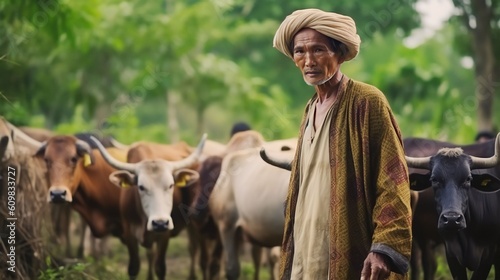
(114,265)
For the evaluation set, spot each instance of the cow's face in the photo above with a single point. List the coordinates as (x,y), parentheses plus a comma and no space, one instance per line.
(63,156)
(451,179)
(155,181)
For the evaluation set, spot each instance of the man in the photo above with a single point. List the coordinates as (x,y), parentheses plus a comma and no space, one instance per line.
(348,210)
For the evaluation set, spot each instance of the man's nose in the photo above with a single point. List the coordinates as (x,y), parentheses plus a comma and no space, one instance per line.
(310,61)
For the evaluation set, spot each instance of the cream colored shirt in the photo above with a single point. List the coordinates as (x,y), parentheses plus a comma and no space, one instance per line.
(311,255)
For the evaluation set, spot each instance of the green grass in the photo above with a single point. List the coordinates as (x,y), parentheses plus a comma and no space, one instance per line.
(114,266)
(443,272)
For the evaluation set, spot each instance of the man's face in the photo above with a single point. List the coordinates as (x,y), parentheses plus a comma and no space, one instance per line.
(313,55)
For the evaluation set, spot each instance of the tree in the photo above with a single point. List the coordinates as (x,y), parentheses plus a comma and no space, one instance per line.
(480,19)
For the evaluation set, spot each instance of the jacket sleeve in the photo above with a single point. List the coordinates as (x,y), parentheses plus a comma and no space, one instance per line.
(391,214)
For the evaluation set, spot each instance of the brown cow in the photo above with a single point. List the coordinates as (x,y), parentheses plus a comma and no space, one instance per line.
(61,212)
(79,176)
(152,209)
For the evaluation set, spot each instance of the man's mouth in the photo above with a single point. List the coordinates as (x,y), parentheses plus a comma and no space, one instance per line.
(312,73)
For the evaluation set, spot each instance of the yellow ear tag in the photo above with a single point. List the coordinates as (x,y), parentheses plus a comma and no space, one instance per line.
(124,184)
(182,182)
(485,182)
(86,160)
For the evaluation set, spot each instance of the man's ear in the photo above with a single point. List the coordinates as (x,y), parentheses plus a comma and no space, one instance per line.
(185,177)
(123,178)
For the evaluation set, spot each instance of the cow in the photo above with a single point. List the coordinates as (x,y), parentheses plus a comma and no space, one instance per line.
(210,244)
(244,180)
(466,205)
(60,212)
(425,233)
(153,209)
(16,161)
(19,141)
(78,175)
(199,214)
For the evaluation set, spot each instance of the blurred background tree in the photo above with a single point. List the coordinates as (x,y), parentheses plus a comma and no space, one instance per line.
(169,70)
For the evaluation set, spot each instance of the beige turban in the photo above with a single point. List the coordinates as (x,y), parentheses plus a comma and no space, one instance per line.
(336,26)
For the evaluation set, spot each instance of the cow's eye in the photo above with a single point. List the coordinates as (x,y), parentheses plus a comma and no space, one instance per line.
(171,186)
(142,188)
(74,160)
(469,179)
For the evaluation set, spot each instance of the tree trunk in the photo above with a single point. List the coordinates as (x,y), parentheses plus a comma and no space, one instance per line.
(484,64)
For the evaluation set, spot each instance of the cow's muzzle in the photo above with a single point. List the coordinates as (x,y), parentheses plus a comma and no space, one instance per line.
(160,225)
(59,195)
(451,221)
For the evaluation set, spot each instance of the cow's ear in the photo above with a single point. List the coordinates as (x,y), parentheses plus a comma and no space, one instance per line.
(185,177)
(419,181)
(85,151)
(123,178)
(485,182)
(41,151)
(87,160)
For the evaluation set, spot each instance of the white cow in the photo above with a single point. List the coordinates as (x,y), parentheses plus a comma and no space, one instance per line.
(151,204)
(249,196)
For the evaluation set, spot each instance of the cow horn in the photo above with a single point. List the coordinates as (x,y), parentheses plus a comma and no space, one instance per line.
(111,160)
(193,157)
(83,146)
(418,162)
(284,164)
(118,145)
(41,149)
(480,163)
(25,140)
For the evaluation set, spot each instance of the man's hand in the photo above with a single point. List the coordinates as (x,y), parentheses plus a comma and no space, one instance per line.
(375,267)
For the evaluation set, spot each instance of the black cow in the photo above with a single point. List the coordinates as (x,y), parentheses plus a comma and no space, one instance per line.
(425,235)
(467,205)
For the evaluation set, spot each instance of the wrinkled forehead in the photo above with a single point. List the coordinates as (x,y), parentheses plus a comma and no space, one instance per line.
(308,35)
(154,172)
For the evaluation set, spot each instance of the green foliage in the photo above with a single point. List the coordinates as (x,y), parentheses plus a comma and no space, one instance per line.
(109,65)
(429,90)
(62,272)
